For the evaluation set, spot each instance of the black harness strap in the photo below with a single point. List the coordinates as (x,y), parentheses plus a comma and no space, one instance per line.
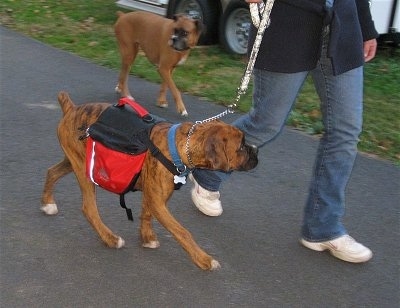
(161,157)
(155,151)
(123,205)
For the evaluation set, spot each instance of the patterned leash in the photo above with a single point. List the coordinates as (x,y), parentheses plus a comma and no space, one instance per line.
(260,16)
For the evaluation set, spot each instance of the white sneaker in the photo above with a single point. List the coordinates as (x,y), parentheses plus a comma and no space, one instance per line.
(206,201)
(345,248)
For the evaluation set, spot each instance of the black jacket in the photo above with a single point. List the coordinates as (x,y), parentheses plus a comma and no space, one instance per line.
(292,42)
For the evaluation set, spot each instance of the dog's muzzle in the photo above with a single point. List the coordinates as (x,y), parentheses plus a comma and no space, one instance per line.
(252,158)
(178,43)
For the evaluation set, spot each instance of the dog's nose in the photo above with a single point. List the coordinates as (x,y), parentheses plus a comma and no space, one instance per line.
(254,149)
(252,162)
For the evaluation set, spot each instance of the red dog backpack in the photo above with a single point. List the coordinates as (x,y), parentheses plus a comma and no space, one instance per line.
(117,145)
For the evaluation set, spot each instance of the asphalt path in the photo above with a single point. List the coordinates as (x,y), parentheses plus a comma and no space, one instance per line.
(60,262)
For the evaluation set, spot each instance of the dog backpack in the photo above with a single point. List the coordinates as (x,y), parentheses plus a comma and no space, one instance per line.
(117,145)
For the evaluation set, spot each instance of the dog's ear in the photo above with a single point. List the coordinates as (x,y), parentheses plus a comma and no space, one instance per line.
(216,157)
(200,27)
(177,16)
(215,153)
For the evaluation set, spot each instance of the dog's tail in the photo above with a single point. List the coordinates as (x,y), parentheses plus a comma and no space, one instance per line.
(65,102)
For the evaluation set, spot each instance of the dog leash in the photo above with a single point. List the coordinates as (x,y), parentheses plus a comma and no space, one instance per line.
(260,16)
(256,10)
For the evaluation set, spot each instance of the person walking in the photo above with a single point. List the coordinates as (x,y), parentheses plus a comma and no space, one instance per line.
(330,40)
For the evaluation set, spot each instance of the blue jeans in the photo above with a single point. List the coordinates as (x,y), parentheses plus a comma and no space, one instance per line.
(341,107)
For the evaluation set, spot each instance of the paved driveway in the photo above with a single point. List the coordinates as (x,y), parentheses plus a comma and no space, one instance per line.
(60,262)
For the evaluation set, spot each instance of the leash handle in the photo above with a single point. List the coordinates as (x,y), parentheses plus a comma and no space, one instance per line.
(140,110)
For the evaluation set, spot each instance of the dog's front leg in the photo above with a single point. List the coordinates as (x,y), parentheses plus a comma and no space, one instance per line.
(166,75)
(160,211)
(149,238)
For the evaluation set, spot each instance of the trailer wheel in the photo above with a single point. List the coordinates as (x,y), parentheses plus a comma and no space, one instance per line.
(234,27)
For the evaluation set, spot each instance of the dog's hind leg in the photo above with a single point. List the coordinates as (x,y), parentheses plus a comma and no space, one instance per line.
(54,173)
(162,96)
(75,153)
(89,209)
(128,56)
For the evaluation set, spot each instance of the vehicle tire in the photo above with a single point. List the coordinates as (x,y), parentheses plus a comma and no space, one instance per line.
(234,27)
(206,10)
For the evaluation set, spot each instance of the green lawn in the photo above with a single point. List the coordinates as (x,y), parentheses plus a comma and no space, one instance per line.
(85,28)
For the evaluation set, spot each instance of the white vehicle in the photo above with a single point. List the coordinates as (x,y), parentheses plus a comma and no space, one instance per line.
(228,21)
(386,15)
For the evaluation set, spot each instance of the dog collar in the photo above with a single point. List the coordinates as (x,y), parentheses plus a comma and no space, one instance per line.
(181,168)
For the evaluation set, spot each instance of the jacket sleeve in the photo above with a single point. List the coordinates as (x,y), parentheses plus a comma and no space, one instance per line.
(367,24)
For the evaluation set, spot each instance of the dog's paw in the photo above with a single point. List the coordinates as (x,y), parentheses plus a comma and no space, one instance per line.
(49,209)
(151,244)
(184,113)
(117,89)
(162,105)
(120,243)
(215,265)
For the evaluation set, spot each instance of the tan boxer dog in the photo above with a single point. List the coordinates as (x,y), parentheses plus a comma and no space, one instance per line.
(165,42)
(212,145)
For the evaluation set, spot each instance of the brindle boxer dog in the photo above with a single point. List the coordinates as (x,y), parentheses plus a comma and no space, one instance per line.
(165,42)
(213,145)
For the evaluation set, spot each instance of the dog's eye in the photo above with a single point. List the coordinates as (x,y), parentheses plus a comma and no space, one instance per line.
(242,145)
(181,32)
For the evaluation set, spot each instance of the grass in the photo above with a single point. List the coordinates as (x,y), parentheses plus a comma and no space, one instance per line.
(85,28)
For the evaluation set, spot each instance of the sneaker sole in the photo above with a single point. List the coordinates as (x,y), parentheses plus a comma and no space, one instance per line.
(312,246)
(359,259)
(337,254)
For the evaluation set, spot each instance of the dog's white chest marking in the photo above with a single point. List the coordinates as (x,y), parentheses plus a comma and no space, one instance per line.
(183,60)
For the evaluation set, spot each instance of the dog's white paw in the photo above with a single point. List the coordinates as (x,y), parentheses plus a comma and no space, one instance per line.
(184,113)
(117,89)
(49,209)
(151,244)
(121,242)
(163,105)
(215,265)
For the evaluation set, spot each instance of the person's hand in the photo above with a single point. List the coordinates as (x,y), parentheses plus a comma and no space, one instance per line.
(369,49)
(253,1)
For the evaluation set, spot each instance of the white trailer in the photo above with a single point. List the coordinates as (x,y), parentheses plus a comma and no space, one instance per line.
(227,21)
